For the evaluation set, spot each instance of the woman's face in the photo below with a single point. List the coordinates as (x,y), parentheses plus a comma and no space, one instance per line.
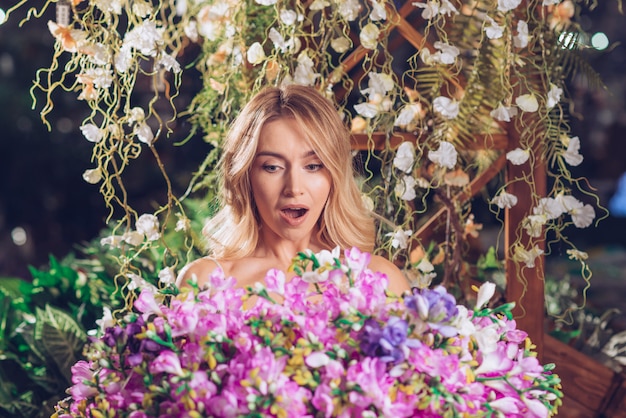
(289,182)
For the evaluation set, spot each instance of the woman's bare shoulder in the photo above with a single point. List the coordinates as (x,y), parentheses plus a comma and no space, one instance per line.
(198,270)
(398,283)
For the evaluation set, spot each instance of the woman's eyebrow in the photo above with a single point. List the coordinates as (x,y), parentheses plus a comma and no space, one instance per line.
(307,154)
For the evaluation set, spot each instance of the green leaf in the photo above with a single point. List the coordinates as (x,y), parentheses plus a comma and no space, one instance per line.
(61,337)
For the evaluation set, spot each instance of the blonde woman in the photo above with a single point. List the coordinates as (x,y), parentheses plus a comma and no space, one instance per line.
(287,185)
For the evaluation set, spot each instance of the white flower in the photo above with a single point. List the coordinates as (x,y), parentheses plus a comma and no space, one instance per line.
(92,176)
(568,202)
(521,255)
(425,266)
(349,9)
(367,110)
(107,320)
(433,7)
(527,102)
(405,157)
(378,84)
(503,113)
(182,224)
(485,293)
(400,238)
(304,73)
(584,216)
(445,156)
(266,2)
(144,133)
(518,156)
(369,36)
(521,39)
(505,200)
(341,44)
(550,207)
(554,96)
(378,11)
(167,276)
(572,155)
(405,189)
(100,77)
(191,30)
(123,59)
(149,226)
(446,107)
(145,38)
(255,53)
(168,63)
(493,31)
(533,224)
(319,5)
(447,53)
(142,8)
(487,339)
(408,114)
(506,5)
(112,240)
(133,238)
(92,132)
(109,6)
(317,359)
(577,255)
(288,17)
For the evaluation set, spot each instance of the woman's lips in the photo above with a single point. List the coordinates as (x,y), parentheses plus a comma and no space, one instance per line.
(294,215)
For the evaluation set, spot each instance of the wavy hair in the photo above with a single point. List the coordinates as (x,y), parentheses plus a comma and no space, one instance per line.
(234,230)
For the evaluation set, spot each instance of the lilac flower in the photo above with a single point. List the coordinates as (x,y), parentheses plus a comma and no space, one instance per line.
(436,307)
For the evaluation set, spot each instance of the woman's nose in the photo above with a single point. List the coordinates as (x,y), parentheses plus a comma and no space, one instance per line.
(293,183)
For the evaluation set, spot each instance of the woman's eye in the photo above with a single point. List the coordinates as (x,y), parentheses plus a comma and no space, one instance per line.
(314,167)
(270,168)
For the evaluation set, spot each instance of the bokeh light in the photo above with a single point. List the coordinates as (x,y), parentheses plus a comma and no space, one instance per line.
(600,41)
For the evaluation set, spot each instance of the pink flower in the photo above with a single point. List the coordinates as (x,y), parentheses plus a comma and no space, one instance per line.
(147,304)
(83,379)
(167,362)
(275,281)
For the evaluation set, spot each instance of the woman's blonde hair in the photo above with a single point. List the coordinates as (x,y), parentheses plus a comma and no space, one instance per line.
(234,230)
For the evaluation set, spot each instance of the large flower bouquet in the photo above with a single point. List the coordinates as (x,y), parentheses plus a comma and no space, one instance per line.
(328,342)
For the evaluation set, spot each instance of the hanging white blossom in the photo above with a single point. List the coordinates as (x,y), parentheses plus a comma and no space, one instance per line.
(445,156)
(367,110)
(408,115)
(305,74)
(148,225)
(133,238)
(341,44)
(433,8)
(503,113)
(91,132)
(493,30)
(92,176)
(145,38)
(378,11)
(518,156)
(527,257)
(550,207)
(369,36)
(527,102)
(505,200)
(109,6)
(266,2)
(405,157)
(400,238)
(167,276)
(168,63)
(447,53)
(533,224)
(554,96)
(144,133)
(584,216)
(378,84)
(572,155)
(506,5)
(349,9)
(319,5)
(446,107)
(255,53)
(289,17)
(521,39)
(405,189)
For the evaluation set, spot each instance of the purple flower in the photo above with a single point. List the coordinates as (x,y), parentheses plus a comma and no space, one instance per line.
(387,343)
(436,307)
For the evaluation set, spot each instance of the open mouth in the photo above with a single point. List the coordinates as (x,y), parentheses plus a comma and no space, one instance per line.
(295,212)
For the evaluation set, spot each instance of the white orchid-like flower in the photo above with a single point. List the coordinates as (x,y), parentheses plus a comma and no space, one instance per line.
(527,257)
(91,132)
(408,115)
(507,5)
(433,8)
(493,30)
(445,156)
(485,293)
(572,155)
(112,241)
(144,133)
(446,107)
(255,53)
(527,102)
(341,45)
(400,238)
(522,38)
(503,113)
(109,6)
(123,59)
(405,157)
(550,207)
(367,110)
(369,36)
(378,11)
(504,200)
(145,37)
(289,17)
(349,9)
(533,224)
(305,74)
(518,156)
(92,175)
(378,84)
(133,238)
(168,63)
(167,276)
(554,96)
(148,225)
(583,216)
(447,53)
(101,77)
(405,188)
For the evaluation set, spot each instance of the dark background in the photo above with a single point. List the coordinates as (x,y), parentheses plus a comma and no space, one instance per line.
(43,193)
